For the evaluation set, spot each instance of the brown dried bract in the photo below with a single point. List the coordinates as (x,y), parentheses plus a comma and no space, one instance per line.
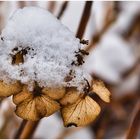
(99,88)
(77,109)
(18,57)
(54,93)
(81,113)
(9,89)
(34,107)
(70,97)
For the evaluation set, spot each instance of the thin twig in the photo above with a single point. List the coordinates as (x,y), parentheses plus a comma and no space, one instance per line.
(84,19)
(51,6)
(28,129)
(135,68)
(62,9)
(20,129)
(22,4)
(113,13)
(134,24)
(135,124)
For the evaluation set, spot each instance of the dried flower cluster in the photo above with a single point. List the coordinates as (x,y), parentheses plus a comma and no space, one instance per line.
(41,67)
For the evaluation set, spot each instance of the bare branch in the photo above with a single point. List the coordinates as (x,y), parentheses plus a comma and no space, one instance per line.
(84,19)
(22,4)
(62,9)
(27,129)
(51,6)
(111,16)
(135,124)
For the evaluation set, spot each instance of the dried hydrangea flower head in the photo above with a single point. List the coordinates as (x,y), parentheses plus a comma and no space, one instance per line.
(38,103)
(41,66)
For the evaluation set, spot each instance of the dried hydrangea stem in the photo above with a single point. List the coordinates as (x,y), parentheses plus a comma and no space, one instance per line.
(27,129)
(134,24)
(96,37)
(135,124)
(84,19)
(21,4)
(132,70)
(62,10)
(22,125)
(51,6)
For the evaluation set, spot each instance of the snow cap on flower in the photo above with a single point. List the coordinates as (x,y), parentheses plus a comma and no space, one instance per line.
(36,46)
(37,50)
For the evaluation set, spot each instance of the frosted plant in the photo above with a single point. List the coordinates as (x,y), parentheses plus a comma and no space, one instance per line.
(41,66)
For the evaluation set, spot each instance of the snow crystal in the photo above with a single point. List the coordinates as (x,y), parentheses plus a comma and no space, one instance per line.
(48,46)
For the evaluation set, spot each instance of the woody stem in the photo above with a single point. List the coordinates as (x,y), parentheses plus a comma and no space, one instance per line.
(135,124)
(27,129)
(62,10)
(84,19)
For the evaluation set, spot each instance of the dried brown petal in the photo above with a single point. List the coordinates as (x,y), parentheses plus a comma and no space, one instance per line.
(17,58)
(70,97)
(9,89)
(100,89)
(46,106)
(83,112)
(54,93)
(32,107)
(22,96)
(27,110)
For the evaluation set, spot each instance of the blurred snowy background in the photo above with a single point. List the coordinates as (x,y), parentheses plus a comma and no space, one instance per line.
(113,31)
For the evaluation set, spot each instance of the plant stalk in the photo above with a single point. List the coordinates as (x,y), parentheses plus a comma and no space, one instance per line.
(62,10)
(26,129)
(84,19)
(135,124)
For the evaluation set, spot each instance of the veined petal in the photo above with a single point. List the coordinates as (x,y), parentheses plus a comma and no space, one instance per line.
(50,105)
(83,112)
(9,89)
(22,96)
(100,89)
(70,97)
(54,93)
(27,110)
(34,107)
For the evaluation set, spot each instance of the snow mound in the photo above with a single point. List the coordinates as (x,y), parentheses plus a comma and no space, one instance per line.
(48,49)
